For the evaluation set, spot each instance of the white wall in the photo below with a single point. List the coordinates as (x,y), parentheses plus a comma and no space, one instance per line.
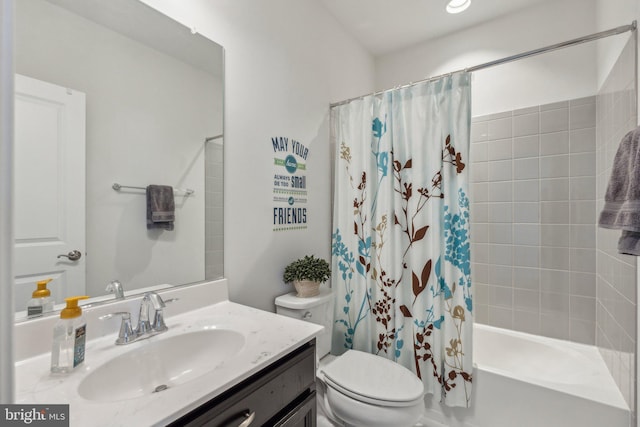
(611,14)
(7,385)
(551,77)
(285,61)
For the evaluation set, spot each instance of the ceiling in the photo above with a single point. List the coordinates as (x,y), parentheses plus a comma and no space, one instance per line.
(383,26)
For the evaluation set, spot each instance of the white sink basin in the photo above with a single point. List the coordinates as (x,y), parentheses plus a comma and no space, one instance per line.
(159,365)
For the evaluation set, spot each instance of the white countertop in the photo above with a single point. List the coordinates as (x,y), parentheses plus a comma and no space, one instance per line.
(268,337)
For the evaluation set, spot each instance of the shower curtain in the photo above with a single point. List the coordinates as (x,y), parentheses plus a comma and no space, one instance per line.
(400,243)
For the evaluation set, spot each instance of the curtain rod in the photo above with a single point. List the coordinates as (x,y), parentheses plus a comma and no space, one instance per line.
(580,40)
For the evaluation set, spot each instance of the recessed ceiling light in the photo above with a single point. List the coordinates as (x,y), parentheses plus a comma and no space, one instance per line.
(457,6)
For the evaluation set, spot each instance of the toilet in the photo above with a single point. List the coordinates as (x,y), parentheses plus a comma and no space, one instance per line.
(356,388)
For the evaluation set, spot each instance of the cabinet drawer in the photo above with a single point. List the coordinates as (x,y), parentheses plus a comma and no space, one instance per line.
(275,390)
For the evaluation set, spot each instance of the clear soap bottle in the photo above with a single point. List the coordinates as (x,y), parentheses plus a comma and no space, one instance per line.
(41,301)
(69,337)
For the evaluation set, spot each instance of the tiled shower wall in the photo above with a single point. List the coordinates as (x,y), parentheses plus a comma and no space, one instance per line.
(533,219)
(616,274)
(214,249)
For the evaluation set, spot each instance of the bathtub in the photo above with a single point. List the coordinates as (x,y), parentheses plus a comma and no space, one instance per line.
(523,380)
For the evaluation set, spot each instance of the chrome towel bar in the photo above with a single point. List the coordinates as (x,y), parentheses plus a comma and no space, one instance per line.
(186,191)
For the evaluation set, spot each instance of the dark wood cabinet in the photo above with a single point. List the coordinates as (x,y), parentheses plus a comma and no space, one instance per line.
(281,395)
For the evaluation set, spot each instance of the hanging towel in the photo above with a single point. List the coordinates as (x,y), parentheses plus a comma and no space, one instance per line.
(629,243)
(160,207)
(622,198)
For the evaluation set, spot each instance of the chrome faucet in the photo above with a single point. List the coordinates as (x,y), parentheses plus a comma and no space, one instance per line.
(145,328)
(115,287)
(151,300)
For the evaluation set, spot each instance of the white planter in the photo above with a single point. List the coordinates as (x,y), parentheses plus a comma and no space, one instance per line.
(306,288)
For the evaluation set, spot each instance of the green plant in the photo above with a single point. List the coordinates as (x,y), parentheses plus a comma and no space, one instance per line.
(307,268)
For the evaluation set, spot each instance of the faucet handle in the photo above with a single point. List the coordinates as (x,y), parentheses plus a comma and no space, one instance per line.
(158,324)
(126,333)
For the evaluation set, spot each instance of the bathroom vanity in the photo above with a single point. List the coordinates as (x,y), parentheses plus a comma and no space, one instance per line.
(282,394)
(219,364)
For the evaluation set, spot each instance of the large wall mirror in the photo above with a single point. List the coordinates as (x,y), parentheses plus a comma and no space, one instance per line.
(113,96)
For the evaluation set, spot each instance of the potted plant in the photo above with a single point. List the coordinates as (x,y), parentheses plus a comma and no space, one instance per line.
(306,274)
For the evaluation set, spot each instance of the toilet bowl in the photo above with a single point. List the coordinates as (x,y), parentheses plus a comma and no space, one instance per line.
(357,388)
(367,390)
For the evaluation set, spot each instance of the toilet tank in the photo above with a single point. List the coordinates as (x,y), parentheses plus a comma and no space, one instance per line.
(318,309)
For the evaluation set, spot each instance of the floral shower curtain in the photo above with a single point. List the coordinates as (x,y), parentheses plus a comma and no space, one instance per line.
(400,244)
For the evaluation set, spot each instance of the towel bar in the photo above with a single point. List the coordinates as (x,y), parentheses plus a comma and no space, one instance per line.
(186,191)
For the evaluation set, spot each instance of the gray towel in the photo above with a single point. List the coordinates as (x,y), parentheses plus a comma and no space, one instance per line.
(629,243)
(160,207)
(622,198)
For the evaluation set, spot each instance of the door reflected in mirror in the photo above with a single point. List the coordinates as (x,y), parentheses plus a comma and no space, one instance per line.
(114,92)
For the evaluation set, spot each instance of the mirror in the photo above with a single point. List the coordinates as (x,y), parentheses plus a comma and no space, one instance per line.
(114,92)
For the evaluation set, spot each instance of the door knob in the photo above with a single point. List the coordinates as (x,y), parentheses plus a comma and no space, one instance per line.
(73,255)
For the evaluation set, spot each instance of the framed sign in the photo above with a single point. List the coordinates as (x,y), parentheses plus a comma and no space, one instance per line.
(289,184)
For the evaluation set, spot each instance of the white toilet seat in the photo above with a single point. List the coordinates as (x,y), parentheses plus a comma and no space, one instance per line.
(373,380)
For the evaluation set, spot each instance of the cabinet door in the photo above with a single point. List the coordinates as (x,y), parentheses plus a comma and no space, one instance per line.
(303,415)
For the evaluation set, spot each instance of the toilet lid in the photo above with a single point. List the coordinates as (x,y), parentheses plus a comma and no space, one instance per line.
(373,379)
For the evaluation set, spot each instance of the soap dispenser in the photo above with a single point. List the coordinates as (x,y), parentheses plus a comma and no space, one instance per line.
(41,301)
(69,336)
